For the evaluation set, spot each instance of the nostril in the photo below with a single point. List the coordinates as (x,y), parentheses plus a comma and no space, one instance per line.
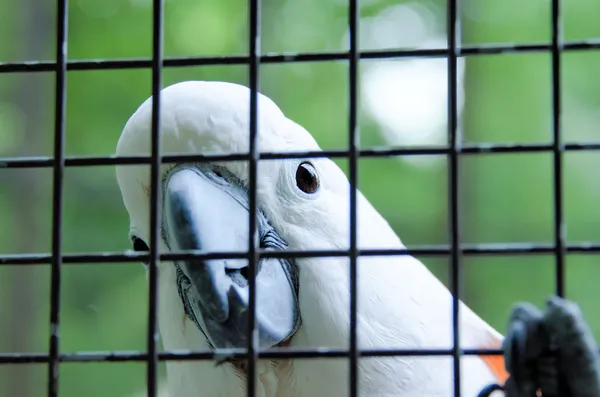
(245,272)
(238,276)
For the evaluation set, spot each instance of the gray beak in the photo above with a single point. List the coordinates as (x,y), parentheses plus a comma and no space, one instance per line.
(204,211)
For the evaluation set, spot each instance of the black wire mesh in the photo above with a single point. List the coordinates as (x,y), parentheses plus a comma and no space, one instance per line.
(454,150)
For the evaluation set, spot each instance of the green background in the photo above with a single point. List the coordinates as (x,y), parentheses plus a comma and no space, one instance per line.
(504,197)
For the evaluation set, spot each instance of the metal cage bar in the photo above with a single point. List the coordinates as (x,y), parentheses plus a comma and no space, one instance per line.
(453,32)
(353,146)
(428,251)
(471,50)
(253,71)
(241,353)
(155,210)
(557,151)
(482,148)
(57,194)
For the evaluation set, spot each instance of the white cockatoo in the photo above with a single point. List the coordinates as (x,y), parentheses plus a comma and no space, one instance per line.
(302,205)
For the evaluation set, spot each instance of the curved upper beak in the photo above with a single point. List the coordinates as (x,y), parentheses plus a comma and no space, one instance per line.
(203,211)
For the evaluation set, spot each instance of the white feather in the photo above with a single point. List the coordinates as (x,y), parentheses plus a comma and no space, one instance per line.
(401,304)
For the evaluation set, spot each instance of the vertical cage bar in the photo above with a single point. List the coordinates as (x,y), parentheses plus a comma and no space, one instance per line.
(155,210)
(253,70)
(557,151)
(57,194)
(353,144)
(453,30)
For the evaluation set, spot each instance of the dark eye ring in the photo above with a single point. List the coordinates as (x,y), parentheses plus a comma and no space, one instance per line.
(307,178)
(140,246)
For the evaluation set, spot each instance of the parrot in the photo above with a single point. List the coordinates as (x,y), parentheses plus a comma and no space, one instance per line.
(301,204)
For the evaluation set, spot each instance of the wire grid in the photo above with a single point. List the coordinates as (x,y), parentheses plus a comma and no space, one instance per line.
(453,150)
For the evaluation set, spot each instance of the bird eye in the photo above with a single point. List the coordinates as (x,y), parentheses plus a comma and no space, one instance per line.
(140,246)
(307,178)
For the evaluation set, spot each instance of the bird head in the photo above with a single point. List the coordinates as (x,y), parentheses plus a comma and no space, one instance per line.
(302,204)
(205,206)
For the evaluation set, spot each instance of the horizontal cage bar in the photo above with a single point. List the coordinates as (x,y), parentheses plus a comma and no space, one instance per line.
(484,49)
(431,250)
(221,354)
(486,148)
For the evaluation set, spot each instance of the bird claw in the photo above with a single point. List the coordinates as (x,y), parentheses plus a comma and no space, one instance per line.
(552,352)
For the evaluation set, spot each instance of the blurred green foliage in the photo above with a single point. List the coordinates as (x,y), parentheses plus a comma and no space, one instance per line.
(504,198)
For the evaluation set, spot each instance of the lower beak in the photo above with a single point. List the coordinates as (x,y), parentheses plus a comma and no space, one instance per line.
(202,211)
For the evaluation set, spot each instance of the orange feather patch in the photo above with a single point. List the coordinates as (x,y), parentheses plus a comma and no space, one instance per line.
(496,363)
